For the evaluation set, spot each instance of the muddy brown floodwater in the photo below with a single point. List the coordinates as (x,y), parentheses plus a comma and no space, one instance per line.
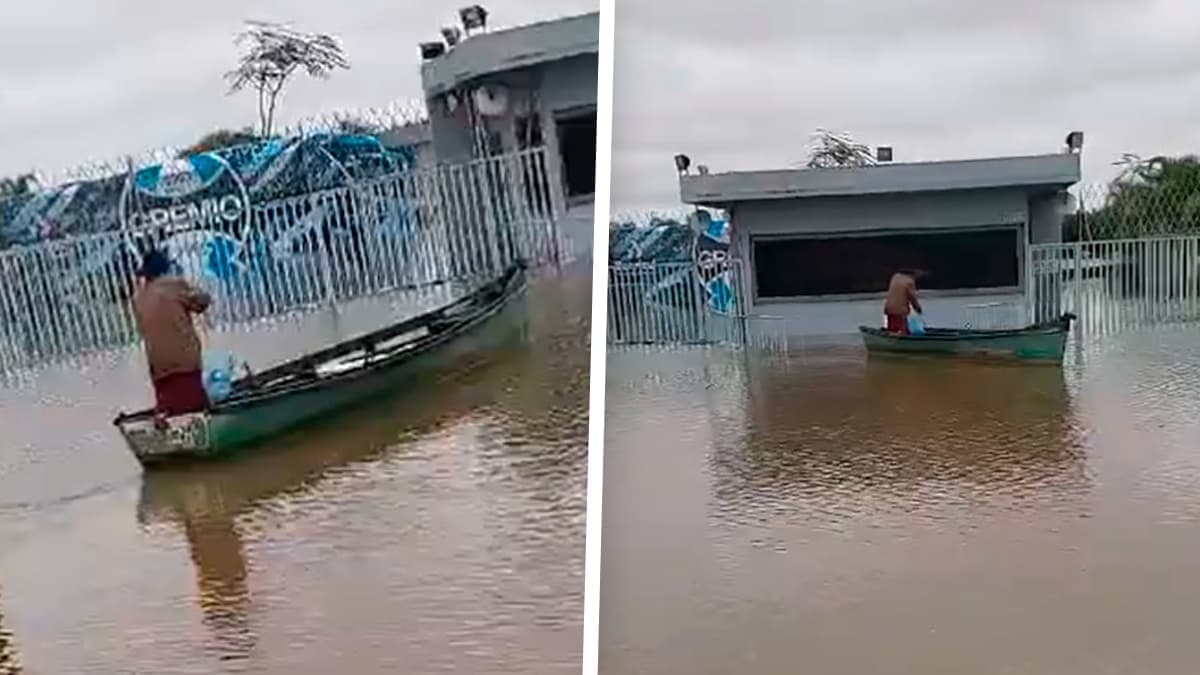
(826,514)
(441,529)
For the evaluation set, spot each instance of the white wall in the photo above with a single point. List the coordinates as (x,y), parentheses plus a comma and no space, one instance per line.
(918,211)
(550,88)
(1045,218)
(570,83)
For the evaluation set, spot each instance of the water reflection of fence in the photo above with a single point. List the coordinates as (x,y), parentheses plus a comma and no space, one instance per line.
(665,303)
(1117,284)
(453,224)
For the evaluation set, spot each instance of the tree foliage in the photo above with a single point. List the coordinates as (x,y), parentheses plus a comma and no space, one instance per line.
(216,140)
(273,54)
(829,150)
(1151,196)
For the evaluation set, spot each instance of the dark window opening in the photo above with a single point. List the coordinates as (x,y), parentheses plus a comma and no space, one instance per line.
(980,259)
(577,145)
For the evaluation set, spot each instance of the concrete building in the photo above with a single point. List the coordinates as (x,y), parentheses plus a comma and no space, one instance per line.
(819,245)
(521,88)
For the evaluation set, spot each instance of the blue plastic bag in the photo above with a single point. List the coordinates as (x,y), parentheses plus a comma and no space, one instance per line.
(916,324)
(218,375)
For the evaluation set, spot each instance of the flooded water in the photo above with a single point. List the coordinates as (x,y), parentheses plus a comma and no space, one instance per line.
(826,514)
(441,529)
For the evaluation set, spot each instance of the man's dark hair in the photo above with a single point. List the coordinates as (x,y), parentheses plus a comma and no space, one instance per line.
(154,265)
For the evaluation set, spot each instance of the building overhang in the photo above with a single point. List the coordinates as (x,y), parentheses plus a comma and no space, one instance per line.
(510,49)
(1035,172)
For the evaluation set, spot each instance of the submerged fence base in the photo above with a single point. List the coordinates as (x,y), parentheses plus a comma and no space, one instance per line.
(1108,285)
(1117,285)
(665,303)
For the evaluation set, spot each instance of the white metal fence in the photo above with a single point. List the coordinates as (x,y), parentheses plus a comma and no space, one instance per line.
(452,224)
(665,303)
(1117,284)
(1108,285)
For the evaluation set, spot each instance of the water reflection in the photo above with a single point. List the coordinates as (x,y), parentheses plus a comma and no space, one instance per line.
(901,431)
(206,500)
(441,529)
(525,403)
(776,515)
(542,417)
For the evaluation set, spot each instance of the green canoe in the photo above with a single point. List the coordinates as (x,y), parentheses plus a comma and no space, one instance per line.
(266,404)
(1043,343)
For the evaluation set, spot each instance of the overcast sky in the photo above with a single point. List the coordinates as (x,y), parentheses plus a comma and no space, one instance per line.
(741,84)
(84,80)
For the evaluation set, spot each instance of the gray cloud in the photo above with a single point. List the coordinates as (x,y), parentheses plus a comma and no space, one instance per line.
(85,81)
(740,85)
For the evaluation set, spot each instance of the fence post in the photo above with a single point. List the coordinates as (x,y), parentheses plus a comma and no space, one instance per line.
(326,266)
(1030,290)
(1077,281)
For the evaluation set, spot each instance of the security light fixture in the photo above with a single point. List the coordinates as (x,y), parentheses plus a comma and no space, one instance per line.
(1075,141)
(682,162)
(473,18)
(432,50)
(452,35)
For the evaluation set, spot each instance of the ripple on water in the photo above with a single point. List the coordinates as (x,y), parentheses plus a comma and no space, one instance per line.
(439,530)
(762,512)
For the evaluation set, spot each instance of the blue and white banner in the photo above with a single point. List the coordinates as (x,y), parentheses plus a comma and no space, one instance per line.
(209,189)
(711,254)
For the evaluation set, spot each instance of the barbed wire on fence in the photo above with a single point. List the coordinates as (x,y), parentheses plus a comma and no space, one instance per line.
(371,120)
(650,217)
(396,115)
(319,153)
(662,236)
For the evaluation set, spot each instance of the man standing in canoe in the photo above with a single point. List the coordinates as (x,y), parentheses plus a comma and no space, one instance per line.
(901,295)
(164,305)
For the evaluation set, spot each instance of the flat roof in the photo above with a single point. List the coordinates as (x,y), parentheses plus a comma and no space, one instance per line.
(510,49)
(1058,170)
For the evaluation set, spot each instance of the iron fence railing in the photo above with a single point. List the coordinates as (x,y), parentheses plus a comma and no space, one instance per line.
(451,224)
(666,303)
(1117,284)
(1108,285)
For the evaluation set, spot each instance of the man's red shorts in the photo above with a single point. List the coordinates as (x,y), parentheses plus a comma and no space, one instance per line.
(897,323)
(180,393)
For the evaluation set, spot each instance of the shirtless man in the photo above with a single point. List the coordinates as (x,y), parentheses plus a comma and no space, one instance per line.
(164,306)
(901,295)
